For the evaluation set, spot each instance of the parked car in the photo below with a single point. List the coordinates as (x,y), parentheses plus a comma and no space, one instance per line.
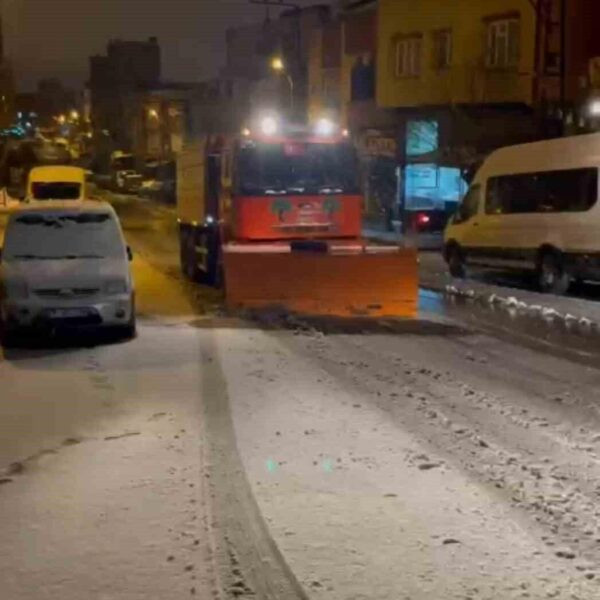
(124,177)
(126,181)
(532,207)
(162,191)
(159,181)
(65,264)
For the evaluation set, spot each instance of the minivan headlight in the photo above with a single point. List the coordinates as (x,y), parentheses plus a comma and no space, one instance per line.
(117,286)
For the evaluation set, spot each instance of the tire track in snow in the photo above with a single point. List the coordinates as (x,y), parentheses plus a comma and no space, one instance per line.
(252,565)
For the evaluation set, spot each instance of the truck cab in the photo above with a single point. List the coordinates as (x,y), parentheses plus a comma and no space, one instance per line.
(271,183)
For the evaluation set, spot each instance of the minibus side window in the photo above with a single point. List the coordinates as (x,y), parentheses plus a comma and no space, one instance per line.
(470,204)
(566,190)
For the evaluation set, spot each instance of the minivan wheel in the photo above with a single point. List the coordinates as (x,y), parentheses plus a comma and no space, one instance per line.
(130,330)
(456,262)
(10,337)
(552,276)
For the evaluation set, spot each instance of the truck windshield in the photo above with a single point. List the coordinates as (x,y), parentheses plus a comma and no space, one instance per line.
(297,168)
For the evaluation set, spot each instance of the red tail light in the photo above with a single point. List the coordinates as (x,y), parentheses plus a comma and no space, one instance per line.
(423,219)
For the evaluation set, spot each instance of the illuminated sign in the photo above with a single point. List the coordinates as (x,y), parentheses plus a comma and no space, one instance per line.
(422,137)
(381,146)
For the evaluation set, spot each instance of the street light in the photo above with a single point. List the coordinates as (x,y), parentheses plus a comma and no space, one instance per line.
(74,115)
(278,66)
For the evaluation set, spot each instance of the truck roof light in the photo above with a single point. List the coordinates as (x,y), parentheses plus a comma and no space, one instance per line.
(324,127)
(269,125)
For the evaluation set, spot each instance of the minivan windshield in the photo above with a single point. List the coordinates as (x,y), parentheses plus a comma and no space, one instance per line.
(38,236)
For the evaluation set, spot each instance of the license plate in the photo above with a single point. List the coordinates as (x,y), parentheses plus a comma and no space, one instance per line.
(68,313)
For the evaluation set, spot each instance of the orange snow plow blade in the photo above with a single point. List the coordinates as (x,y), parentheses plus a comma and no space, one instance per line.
(350,281)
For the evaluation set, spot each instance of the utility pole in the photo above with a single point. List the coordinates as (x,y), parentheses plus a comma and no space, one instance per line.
(543,21)
(563,59)
(298,58)
(278,66)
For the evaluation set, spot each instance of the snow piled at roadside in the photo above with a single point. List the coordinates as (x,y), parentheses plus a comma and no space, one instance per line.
(514,305)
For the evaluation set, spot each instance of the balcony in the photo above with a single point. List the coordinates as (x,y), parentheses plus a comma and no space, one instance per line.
(464,84)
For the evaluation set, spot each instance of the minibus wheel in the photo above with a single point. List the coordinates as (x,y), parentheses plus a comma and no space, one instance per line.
(552,276)
(456,262)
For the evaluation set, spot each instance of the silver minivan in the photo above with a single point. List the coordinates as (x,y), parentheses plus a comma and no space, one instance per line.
(65,264)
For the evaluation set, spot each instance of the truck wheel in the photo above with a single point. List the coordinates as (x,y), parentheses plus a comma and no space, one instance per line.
(552,276)
(456,262)
(10,337)
(187,255)
(209,273)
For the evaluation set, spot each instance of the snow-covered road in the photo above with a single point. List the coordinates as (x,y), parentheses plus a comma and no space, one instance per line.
(101,462)
(433,465)
(218,457)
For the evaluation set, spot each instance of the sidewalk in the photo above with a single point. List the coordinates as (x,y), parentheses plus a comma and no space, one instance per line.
(10,205)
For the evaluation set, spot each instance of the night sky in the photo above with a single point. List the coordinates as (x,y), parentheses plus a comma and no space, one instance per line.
(46,38)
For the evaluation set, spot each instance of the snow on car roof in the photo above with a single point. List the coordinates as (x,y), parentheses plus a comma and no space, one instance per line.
(66,206)
(51,173)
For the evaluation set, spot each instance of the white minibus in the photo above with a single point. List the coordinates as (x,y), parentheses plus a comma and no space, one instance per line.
(532,207)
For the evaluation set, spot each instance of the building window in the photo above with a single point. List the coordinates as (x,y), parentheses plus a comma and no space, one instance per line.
(362,82)
(503,37)
(408,57)
(442,49)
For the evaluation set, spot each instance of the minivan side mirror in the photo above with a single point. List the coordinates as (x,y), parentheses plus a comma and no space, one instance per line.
(129,254)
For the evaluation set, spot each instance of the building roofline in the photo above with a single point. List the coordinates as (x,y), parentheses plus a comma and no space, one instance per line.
(353,5)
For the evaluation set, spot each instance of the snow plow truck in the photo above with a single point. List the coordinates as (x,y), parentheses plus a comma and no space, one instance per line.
(274,215)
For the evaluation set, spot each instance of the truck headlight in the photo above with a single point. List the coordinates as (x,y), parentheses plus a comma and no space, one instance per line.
(269,126)
(324,128)
(118,286)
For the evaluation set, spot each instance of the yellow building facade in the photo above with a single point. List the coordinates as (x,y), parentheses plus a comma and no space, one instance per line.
(455,52)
